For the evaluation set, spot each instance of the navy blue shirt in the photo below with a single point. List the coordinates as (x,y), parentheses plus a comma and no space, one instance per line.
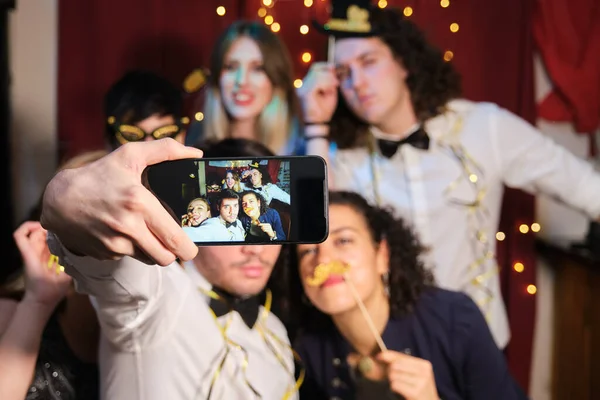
(272,217)
(446,328)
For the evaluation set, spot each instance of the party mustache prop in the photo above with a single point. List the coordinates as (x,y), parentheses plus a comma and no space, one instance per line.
(322,272)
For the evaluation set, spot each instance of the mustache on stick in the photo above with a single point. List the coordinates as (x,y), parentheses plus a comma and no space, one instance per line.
(322,273)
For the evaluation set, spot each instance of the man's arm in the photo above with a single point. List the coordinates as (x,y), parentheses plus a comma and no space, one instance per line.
(128,293)
(104,211)
(279,194)
(530,161)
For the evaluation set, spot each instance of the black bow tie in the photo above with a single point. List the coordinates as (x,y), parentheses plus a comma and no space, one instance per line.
(258,188)
(248,308)
(228,224)
(418,139)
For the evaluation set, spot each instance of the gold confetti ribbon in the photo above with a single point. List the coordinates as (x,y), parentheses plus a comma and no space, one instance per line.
(320,275)
(264,332)
(322,272)
(471,171)
(53,261)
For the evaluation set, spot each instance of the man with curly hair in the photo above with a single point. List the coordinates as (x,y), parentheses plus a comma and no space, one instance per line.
(404,138)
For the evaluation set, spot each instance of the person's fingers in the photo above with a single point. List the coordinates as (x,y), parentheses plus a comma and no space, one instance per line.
(404,375)
(37,239)
(390,356)
(23,241)
(322,66)
(140,155)
(26,228)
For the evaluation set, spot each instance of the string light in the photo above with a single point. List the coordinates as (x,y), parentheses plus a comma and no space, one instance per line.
(500,236)
(535,227)
(523,228)
(268,3)
(304,29)
(262,12)
(306,57)
(275,27)
(199,116)
(408,11)
(449,55)
(308,3)
(473,178)
(269,19)
(221,11)
(382,4)
(531,289)
(519,267)
(298,83)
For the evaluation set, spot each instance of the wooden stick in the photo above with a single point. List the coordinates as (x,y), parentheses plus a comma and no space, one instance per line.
(330,49)
(365,313)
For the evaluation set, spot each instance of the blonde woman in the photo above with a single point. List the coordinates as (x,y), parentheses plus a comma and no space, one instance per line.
(250,92)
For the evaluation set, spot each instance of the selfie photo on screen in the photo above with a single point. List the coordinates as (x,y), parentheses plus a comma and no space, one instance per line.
(239,201)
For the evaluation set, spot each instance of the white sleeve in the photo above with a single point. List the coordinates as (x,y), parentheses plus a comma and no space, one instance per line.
(341,172)
(127,293)
(279,194)
(530,161)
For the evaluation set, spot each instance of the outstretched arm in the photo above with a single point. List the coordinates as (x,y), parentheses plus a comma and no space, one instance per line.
(530,161)
(104,211)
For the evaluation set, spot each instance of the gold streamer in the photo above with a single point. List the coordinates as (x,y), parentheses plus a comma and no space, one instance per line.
(264,332)
(54,261)
(322,272)
(470,171)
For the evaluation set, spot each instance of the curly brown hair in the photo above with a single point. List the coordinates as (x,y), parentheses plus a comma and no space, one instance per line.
(431,80)
(408,277)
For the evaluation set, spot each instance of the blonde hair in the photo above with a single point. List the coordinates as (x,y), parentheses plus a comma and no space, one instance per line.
(237,187)
(278,123)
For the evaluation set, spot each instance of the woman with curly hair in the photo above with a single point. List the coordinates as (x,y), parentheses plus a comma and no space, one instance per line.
(406,139)
(437,343)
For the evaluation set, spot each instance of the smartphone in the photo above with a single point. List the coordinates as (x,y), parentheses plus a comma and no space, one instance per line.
(220,201)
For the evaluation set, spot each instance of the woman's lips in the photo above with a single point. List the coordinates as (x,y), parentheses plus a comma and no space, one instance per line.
(243,98)
(333,280)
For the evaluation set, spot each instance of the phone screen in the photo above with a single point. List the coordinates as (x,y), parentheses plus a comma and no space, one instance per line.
(271,200)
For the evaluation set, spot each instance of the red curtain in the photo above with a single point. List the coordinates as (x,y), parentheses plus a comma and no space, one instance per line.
(492,49)
(100,39)
(567,33)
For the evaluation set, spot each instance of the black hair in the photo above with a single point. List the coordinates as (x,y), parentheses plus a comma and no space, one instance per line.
(137,95)
(431,80)
(408,277)
(259,197)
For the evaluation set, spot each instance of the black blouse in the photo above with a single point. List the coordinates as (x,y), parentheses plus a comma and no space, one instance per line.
(59,374)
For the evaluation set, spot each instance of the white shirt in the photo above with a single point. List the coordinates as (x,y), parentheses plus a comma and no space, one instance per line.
(215,230)
(161,341)
(426,188)
(269,192)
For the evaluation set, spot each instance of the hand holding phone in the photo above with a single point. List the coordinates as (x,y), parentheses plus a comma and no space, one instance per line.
(240,200)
